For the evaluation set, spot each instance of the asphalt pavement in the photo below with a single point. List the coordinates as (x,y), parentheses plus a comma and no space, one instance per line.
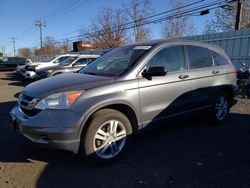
(190,153)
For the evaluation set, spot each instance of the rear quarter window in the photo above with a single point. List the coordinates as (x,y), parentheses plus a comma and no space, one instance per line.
(219,60)
(199,57)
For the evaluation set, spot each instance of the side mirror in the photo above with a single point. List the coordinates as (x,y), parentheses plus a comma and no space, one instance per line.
(154,71)
(56,61)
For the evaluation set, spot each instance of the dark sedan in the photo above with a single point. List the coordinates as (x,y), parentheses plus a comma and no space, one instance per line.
(11,63)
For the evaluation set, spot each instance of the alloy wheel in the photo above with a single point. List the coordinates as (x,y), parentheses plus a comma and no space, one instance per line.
(109,139)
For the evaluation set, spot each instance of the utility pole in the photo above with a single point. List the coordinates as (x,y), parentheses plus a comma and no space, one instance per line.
(238,15)
(14,44)
(2,50)
(40,24)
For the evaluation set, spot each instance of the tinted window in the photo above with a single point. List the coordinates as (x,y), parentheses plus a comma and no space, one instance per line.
(199,57)
(172,58)
(61,59)
(91,59)
(218,59)
(81,61)
(67,60)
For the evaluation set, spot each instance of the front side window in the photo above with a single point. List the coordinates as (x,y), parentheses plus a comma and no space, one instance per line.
(172,58)
(67,60)
(199,57)
(116,62)
(218,59)
(61,59)
(81,61)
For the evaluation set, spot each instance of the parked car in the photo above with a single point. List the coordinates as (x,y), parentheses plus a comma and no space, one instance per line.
(70,65)
(96,111)
(11,63)
(29,71)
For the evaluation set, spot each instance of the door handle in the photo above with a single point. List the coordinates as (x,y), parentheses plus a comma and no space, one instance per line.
(215,72)
(183,76)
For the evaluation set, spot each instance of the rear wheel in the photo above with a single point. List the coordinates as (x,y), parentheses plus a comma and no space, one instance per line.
(106,137)
(220,108)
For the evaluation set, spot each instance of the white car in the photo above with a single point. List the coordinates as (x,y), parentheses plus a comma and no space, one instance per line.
(19,67)
(29,71)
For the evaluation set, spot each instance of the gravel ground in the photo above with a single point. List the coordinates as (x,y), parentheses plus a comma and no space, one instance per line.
(193,153)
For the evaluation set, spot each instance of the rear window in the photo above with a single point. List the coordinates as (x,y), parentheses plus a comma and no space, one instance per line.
(218,59)
(199,57)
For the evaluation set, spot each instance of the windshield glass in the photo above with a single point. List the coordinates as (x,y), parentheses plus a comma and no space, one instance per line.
(115,62)
(48,59)
(68,61)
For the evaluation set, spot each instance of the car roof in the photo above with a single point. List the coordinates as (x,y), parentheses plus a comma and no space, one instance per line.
(159,42)
(88,56)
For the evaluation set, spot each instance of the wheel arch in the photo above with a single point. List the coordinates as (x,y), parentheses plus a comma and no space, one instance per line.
(124,108)
(230,91)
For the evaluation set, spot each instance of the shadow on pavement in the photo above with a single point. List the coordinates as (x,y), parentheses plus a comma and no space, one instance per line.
(185,154)
(16,80)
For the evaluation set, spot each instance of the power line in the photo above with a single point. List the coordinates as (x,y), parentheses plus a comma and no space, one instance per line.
(61,9)
(151,16)
(119,12)
(67,10)
(155,18)
(145,20)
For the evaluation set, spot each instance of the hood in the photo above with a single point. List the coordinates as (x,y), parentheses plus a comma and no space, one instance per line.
(44,65)
(55,66)
(65,82)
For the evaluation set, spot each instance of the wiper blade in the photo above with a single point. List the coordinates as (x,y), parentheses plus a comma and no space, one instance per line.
(100,74)
(91,73)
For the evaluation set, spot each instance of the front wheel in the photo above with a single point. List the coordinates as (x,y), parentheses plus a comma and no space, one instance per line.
(106,137)
(220,108)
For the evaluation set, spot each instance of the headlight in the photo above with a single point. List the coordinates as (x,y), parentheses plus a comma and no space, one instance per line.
(59,100)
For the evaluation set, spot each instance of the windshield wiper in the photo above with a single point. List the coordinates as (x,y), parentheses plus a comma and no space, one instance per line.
(91,73)
(100,74)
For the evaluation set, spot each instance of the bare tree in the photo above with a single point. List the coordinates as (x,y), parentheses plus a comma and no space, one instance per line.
(138,12)
(52,47)
(177,26)
(64,47)
(25,52)
(108,29)
(224,18)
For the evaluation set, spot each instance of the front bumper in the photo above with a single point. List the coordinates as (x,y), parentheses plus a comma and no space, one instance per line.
(50,128)
(29,74)
(40,75)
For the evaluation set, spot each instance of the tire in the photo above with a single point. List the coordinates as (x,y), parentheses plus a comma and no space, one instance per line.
(107,137)
(220,108)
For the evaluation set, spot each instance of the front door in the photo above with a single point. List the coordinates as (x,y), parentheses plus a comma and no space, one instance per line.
(164,96)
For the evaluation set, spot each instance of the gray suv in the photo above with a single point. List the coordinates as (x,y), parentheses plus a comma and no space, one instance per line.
(96,111)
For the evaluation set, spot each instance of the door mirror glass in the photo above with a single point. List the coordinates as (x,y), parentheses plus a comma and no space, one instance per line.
(154,71)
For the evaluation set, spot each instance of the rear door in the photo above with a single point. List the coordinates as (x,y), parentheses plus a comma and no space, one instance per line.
(204,75)
(164,96)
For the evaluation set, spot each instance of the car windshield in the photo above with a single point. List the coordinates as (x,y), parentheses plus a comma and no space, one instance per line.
(68,61)
(115,62)
(49,59)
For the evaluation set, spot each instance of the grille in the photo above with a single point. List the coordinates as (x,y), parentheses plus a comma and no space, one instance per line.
(30,68)
(24,102)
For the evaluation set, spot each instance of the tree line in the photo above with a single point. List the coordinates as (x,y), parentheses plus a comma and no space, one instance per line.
(111,28)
